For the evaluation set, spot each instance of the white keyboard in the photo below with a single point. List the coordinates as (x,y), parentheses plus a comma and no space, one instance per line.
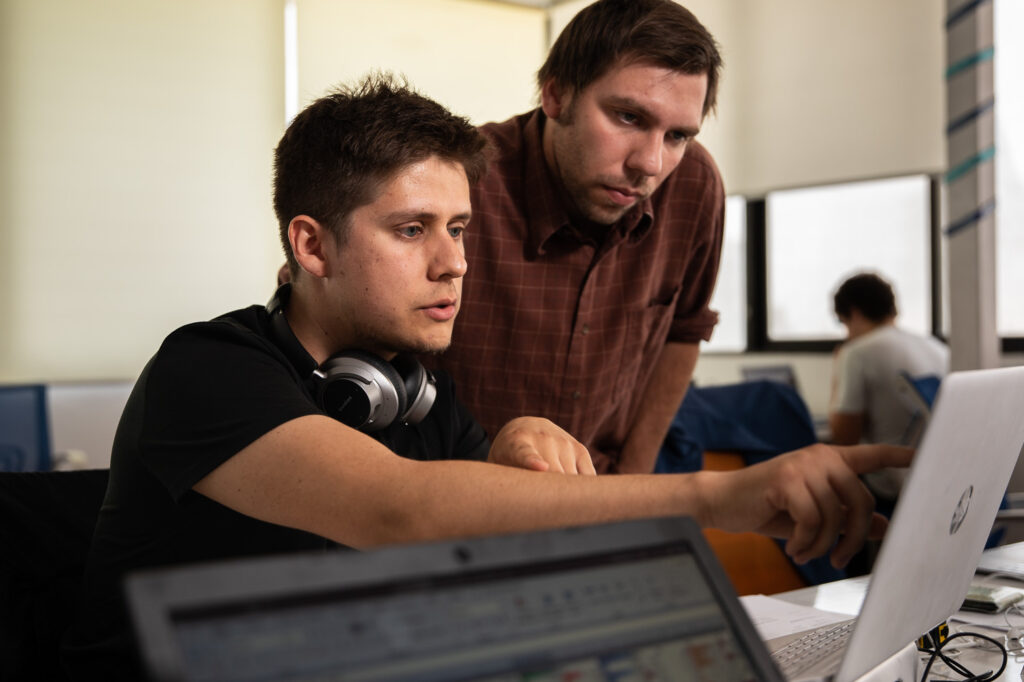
(822,648)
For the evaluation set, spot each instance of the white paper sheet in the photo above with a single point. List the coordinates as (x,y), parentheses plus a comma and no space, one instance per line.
(776,618)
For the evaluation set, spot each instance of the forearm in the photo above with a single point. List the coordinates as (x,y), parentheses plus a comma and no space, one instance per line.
(461,499)
(360,494)
(314,474)
(658,406)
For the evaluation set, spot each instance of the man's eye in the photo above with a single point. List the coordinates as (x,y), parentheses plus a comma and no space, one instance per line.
(410,230)
(628,118)
(456,231)
(678,136)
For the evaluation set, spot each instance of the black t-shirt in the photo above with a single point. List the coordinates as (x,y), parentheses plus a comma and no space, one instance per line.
(212,389)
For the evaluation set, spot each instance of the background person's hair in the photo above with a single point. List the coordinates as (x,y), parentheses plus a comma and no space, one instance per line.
(339,150)
(658,31)
(867,293)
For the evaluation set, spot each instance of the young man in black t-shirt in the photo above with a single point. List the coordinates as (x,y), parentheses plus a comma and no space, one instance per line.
(256,432)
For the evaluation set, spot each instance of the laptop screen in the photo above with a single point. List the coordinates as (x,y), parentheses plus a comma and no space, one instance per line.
(645,611)
(782,374)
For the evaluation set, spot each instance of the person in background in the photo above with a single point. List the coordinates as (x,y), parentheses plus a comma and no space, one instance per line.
(869,401)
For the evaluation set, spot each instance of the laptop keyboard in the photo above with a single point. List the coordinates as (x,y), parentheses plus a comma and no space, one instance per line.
(812,649)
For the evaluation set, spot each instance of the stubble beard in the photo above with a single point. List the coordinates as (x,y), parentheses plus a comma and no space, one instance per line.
(602,215)
(587,207)
(385,340)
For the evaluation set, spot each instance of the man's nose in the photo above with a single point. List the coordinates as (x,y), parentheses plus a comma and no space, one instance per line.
(647,155)
(449,259)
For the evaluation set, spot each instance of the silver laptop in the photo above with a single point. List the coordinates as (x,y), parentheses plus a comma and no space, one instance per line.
(940,525)
(636,600)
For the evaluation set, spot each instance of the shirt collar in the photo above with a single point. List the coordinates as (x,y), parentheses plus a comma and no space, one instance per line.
(545,209)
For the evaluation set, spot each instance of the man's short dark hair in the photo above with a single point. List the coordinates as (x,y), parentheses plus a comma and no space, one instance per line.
(339,150)
(658,31)
(867,293)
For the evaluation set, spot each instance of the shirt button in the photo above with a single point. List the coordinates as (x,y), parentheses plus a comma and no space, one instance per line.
(576,395)
(586,329)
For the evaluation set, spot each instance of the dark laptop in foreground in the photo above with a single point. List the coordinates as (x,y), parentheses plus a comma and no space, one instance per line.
(938,530)
(642,600)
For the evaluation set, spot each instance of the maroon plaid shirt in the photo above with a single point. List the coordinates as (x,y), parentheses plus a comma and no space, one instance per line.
(554,325)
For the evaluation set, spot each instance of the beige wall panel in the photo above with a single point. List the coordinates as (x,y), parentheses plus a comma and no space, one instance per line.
(478,58)
(135,174)
(840,90)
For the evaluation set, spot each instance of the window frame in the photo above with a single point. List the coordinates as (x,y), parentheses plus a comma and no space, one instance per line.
(758,340)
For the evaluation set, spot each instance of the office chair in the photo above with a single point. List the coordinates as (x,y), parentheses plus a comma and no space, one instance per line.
(758,419)
(46,525)
(918,394)
(24,429)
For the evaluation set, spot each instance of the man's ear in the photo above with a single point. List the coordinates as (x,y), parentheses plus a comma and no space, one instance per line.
(308,239)
(554,99)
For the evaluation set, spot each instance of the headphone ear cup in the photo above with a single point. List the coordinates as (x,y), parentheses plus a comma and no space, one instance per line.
(420,388)
(361,390)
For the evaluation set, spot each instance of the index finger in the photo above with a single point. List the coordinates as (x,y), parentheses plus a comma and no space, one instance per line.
(584,462)
(527,457)
(867,458)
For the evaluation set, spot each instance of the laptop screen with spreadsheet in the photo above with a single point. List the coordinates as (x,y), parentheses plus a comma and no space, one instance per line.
(639,600)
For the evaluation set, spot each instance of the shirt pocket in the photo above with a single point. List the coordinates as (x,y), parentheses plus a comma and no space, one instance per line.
(646,331)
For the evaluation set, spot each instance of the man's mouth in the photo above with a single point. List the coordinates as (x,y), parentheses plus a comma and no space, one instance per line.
(622,196)
(441,310)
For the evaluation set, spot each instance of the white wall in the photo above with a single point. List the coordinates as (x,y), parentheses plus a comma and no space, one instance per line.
(836,91)
(135,140)
(84,417)
(478,58)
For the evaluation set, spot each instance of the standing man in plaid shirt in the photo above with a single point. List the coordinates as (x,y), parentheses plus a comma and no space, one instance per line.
(596,237)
